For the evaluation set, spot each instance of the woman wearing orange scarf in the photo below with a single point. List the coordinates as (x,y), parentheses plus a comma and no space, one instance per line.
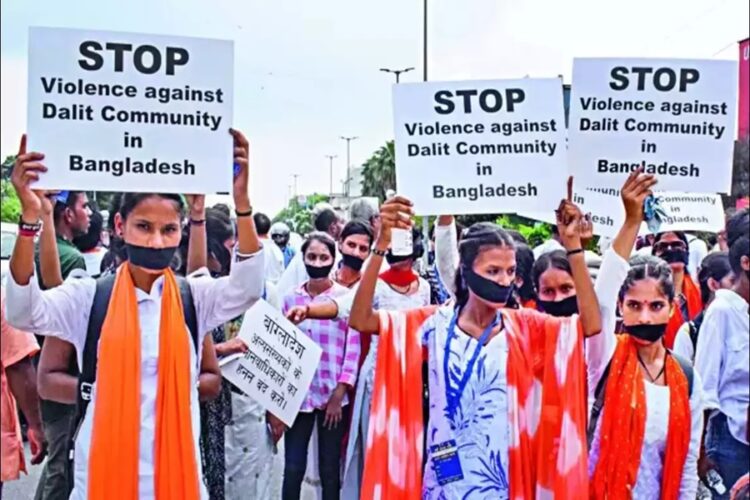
(506,386)
(672,247)
(139,436)
(645,428)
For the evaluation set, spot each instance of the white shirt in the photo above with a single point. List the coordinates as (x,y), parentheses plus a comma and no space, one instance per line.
(697,252)
(274,261)
(721,357)
(93,261)
(65,310)
(683,344)
(446,255)
(548,246)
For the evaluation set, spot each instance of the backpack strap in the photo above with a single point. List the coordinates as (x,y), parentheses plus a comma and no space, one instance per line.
(687,369)
(188,312)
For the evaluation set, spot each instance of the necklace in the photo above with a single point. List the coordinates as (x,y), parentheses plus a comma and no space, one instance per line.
(658,375)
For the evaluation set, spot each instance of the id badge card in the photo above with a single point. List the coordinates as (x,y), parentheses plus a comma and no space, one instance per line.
(445,462)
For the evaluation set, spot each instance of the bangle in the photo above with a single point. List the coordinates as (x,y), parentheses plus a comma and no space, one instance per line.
(247,213)
(380,253)
(197,222)
(574,252)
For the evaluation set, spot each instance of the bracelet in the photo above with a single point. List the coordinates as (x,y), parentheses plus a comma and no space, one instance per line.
(248,213)
(27,228)
(197,222)
(574,252)
(380,253)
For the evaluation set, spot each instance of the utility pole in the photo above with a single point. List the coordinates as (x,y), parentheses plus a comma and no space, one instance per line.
(295,184)
(348,162)
(426,218)
(396,72)
(330,173)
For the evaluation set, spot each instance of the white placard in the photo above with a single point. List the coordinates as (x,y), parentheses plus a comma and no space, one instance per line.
(280,364)
(685,211)
(674,117)
(480,146)
(130,112)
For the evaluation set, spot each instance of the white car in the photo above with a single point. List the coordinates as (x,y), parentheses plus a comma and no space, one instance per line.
(9,232)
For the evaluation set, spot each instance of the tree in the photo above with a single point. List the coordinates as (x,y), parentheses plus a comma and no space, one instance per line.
(10,208)
(299,217)
(379,172)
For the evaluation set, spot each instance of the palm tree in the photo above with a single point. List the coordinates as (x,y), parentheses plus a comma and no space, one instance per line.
(379,172)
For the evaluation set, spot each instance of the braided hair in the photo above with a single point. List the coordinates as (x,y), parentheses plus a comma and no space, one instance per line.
(478,237)
(644,267)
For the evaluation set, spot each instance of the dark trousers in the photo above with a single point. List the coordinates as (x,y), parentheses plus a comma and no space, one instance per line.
(54,481)
(731,457)
(296,440)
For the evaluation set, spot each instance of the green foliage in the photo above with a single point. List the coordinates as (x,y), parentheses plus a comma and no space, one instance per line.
(379,172)
(7,167)
(10,208)
(297,217)
(535,233)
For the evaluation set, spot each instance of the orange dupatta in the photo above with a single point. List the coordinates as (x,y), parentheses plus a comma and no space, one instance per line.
(692,295)
(624,424)
(113,460)
(547,416)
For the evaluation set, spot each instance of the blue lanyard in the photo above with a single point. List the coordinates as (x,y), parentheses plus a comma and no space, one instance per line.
(453,398)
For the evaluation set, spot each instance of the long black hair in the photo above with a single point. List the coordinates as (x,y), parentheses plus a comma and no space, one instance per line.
(478,237)
(219,228)
(647,267)
(716,266)
(524,265)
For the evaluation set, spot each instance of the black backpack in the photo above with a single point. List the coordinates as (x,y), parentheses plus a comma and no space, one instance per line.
(694,327)
(99,306)
(596,410)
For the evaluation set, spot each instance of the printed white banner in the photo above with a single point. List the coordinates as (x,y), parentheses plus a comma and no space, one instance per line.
(130,112)
(676,118)
(280,364)
(685,211)
(480,146)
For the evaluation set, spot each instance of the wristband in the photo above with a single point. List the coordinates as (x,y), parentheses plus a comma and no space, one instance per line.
(27,228)
(247,213)
(197,222)
(574,252)
(380,253)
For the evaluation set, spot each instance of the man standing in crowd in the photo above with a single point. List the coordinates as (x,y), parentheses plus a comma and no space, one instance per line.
(280,235)
(71,220)
(90,245)
(721,358)
(274,257)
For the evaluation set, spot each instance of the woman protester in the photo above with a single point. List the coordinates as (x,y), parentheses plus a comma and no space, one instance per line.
(672,248)
(714,274)
(336,373)
(139,433)
(646,422)
(481,372)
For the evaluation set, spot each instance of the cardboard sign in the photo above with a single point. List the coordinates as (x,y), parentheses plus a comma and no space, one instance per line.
(685,211)
(280,364)
(676,118)
(480,146)
(130,112)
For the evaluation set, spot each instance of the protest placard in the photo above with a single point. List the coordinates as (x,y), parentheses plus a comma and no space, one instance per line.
(684,211)
(280,364)
(676,118)
(480,146)
(130,112)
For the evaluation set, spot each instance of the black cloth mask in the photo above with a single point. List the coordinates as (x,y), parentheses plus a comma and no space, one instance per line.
(561,308)
(487,289)
(318,272)
(352,261)
(155,259)
(675,256)
(649,333)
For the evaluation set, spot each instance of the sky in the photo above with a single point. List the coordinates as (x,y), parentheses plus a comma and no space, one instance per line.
(307,73)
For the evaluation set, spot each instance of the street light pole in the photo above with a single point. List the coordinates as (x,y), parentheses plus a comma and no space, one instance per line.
(426,218)
(396,72)
(295,184)
(330,173)
(348,162)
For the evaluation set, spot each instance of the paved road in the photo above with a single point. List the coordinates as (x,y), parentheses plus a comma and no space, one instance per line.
(24,488)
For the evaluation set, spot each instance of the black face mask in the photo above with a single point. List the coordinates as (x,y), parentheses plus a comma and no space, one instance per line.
(352,261)
(395,259)
(317,273)
(155,259)
(674,257)
(561,308)
(487,289)
(649,333)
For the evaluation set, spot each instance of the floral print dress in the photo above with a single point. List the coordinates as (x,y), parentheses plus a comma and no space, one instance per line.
(479,422)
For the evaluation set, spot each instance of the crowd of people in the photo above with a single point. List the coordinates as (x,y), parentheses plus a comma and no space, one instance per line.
(496,371)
